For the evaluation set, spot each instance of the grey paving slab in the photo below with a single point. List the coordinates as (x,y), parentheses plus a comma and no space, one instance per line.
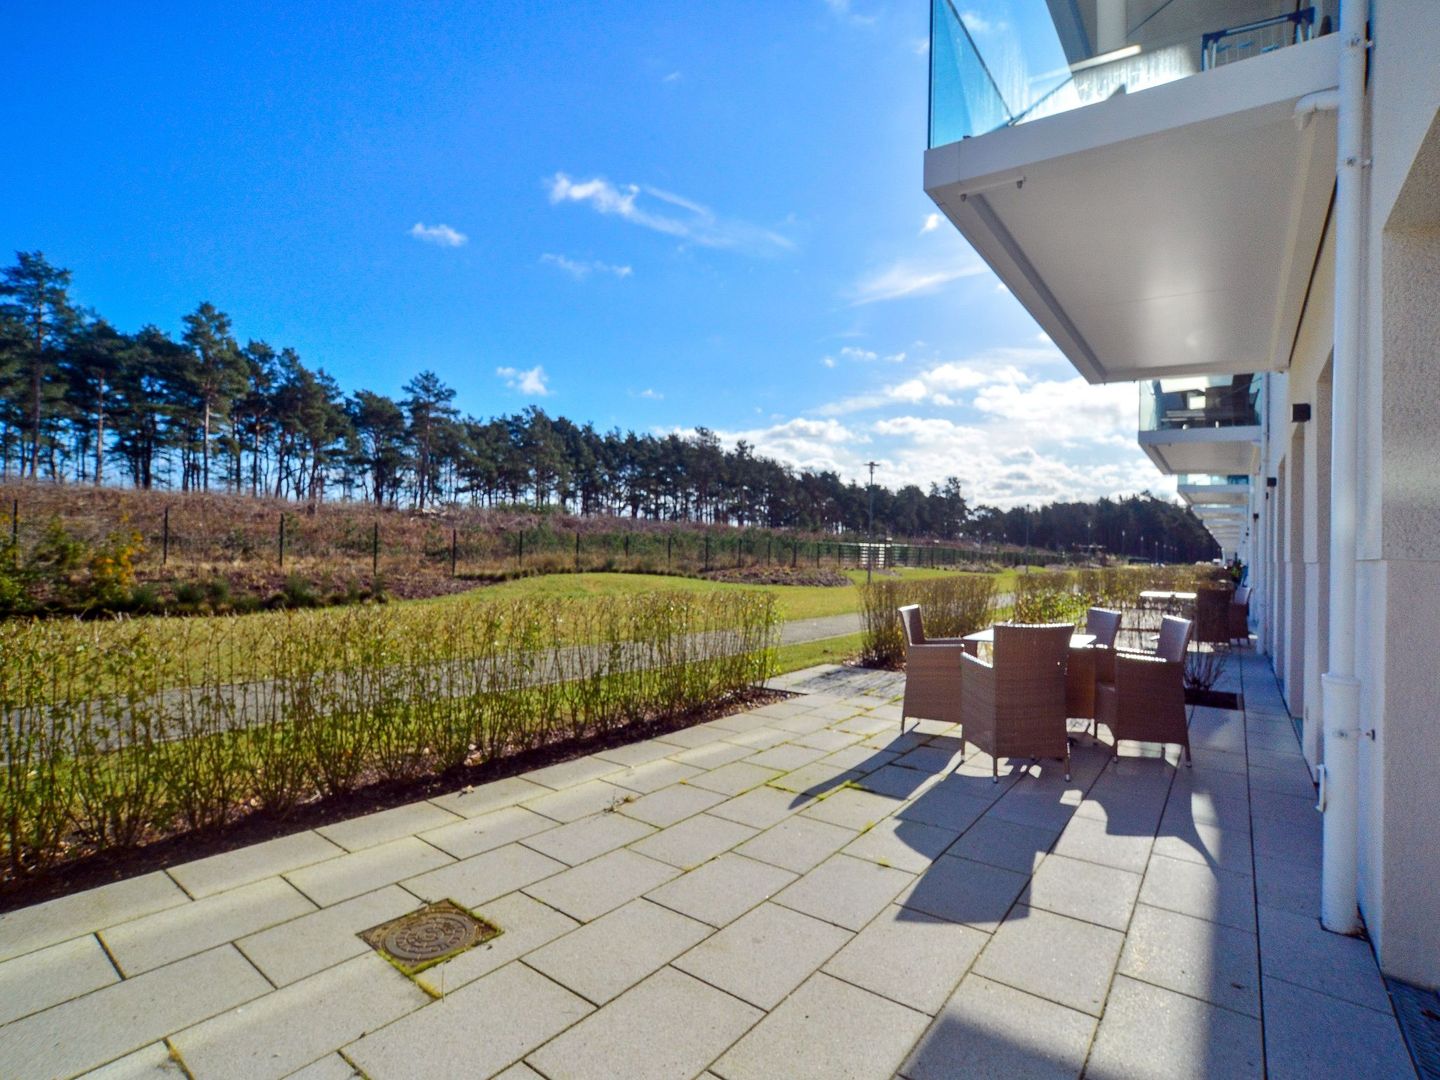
(330,1067)
(1205,892)
(1278,839)
(300,1023)
(672,804)
(786,757)
(1083,890)
(669,1026)
(1088,839)
(734,778)
(127,1016)
(486,798)
(797,844)
(146,943)
(712,755)
(604,958)
(1289,886)
(386,825)
(815,779)
(1205,960)
(585,799)
(205,877)
(582,840)
(861,759)
(636,753)
(1295,948)
(964,891)
(153,1062)
(694,841)
(760,807)
(947,805)
(1060,959)
(846,891)
(651,777)
(525,925)
(827,739)
(1005,844)
(723,889)
(906,845)
(519,1071)
(690,738)
(909,957)
(301,947)
(1041,809)
(51,975)
(471,882)
(895,782)
(1174,1035)
(588,891)
(572,773)
(367,870)
(485,832)
(759,738)
(27,929)
(1312,1036)
(992,1030)
(827,1030)
(764,955)
(803,723)
(852,808)
(477,1030)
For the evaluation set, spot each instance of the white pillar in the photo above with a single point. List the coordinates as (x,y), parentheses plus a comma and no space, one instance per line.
(1109,26)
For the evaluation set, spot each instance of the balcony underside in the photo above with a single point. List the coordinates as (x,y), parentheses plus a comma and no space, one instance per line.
(1203,450)
(1168,232)
(1203,496)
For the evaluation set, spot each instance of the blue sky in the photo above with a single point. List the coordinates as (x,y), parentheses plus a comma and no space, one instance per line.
(648,215)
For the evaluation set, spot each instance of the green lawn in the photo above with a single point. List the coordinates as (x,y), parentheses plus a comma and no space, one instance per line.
(833,650)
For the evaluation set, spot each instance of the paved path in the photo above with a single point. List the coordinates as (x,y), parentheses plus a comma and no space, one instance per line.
(794,891)
(828,626)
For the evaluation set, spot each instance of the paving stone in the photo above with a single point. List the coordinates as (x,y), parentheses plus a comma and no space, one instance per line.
(797,844)
(1312,1036)
(525,925)
(909,957)
(330,1067)
(311,943)
(474,1031)
(1174,1035)
(845,891)
(1133,815)
(51,975)
(585,799)
(1038,809)
(723,889)
(604,958)
(929,759)
(693,841)
(759,738)
(867,725)
(583,840)
(861,759)
(127,1016)
(964,891)
(54,921)
(486,832)
(764,955)
(815,779)
(1060,959)
(713,755)
(671,1025)
(988,1029)
(1083,890)
(1279,839)
(143,944)
(365,871)
(1192,956)
(828,1030)
(1199,890)
(588,891)
(786,757)
(906,845)
(672,804)
(690,738)
(1186,809)
(1088,839)
(573,773)
(895,782)
(852,808)
(471,882)
(152,1062)
(1289,886)
(761,807)
(735,778)
(372,829)
(827,739)
(946,805)
(803,723)
(519,1071)
(1005,844)
(487,798)
(651,777)
(204,877)
(636,753)
(1295,948)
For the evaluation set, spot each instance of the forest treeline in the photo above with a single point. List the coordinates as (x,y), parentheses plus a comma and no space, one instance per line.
(83,401)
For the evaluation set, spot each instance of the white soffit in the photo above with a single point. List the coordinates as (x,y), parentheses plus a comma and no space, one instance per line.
(1168,232)
(1218,451)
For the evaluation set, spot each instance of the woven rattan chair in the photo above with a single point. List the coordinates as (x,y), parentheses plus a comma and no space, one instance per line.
(1146,700)
(1240,614)
(932,672)
(1212,616)
(1016,707)
(1095,664)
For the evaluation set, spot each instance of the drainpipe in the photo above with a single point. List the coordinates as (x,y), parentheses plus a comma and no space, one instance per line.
(1340,689)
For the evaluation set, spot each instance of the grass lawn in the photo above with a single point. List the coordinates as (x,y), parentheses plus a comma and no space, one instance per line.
(833,650)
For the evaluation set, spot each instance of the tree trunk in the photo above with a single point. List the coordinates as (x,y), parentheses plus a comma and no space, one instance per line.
(205,450)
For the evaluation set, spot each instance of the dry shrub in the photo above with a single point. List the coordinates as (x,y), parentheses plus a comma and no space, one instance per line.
(951,607)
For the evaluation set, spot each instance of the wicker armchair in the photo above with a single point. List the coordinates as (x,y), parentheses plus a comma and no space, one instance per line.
(932,672)
(1087,665)
(1146,700)
(1240,614)
(1212,616)
(1016,707)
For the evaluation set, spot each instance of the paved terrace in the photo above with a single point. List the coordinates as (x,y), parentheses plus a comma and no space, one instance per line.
(794,891)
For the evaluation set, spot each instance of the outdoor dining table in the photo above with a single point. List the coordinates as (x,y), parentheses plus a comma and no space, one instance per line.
(1079,673)
(1078,640)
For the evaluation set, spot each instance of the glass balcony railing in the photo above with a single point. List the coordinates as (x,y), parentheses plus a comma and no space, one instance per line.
(1186,404)
(1211,480)
(997,63)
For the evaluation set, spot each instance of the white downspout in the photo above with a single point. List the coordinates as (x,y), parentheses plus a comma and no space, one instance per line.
(1340,689)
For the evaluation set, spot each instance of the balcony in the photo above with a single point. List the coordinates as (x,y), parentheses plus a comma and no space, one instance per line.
(1204,490)
(1208,425)
(1139,174)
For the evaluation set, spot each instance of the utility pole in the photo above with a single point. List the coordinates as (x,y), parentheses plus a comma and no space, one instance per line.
(870,546)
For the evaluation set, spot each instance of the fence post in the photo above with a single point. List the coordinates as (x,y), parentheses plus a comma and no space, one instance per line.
(454,548)
(282,539)
(375,552)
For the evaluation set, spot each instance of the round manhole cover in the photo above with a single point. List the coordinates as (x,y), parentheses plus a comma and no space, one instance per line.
(428,935)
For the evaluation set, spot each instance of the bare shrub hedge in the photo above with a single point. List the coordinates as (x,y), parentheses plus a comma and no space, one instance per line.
(952,607)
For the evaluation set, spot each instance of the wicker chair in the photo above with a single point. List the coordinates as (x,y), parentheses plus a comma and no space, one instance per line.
(1212,616)
(1240,614)
(1146,700)
(932,672)
(1089,666)
(1016,707)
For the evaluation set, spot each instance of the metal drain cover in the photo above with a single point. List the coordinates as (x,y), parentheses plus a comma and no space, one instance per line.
(436,932)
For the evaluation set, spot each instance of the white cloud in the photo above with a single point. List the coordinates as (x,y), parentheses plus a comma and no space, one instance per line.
(805,444)
(909,277)
(922,46)
(828,361)
(673,77)
(580,269)
(841,9)
(936,385)
(850,352)
(931,223)
(651,395)
(698,224)
(532,382)
(441,235)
